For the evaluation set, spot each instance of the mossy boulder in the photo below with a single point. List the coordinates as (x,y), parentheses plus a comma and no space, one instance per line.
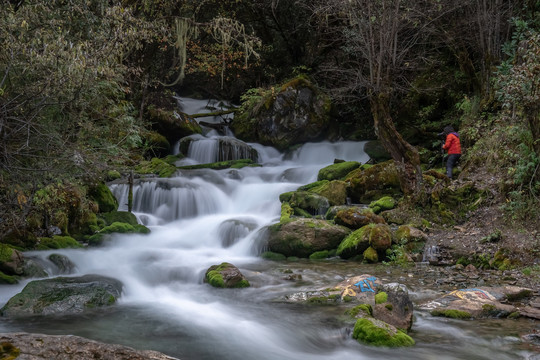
(337,171)
(11,260)
(7,279)
(225,275)
(376,151)
(302,237)
(355,217)
(370,255)
(155,166)
(377,236)
(374,182)
(450,204)
(156,144)
(103,196)
(375,332)
(335,191)
(63,295)
(167,121)
(57,242)
(116,227)
(293,113)
(413,238)
(309,202)
(384,203)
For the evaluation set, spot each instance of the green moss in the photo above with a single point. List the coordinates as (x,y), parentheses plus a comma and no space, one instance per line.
(269,255)
(451,313)
(362,309)
(286,212)
(337,171)
(319,255)
(7,279)
(215,279)
(382,204)
(156,166)
(367,332)
(355,243)
(8,351)
(389,307)
(113,175)
(5,253)
(103,196)
(514,315)
(58,242)
(381,298)
(370,255)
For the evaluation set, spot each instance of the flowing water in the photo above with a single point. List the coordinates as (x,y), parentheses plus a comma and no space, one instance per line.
(201,218)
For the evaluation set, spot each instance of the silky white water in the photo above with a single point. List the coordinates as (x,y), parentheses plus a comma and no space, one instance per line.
(201,218)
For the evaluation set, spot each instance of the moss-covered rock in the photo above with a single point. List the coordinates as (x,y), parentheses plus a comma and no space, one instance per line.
(319,255)
(293,113)
(156,144)
(302,237)
(356,217)
(378,333)
(337,171)
(335,191)
(172,124)
(376,236)
(63,295)
(370,255)
(155,166)
(373,183)
(384,203)
(116,227)
(270,255)
(307,201)
(11,260)
(57,242)
(225,275)
(7,279)
(376,151)
(452,313)
(103,196)
(119,216)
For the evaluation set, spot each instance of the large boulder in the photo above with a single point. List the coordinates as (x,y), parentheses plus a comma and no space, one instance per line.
(374,182)
(103,196)
(63,295)
(65,347)
(481,302)
(225,275)
(338,170)
(302,237)
(170,123)
(335,191)
(292,114)
(11,260)
(355,217)
(372,237)
(306,203)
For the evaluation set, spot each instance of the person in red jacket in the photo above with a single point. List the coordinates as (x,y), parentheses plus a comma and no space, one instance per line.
(452,145)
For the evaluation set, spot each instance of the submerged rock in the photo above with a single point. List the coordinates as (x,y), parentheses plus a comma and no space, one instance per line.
(63,347)
(63,295)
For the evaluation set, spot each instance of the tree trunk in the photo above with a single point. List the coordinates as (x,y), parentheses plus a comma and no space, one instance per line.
(405,156)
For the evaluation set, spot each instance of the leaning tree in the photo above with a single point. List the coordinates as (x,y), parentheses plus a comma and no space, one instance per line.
(377,48)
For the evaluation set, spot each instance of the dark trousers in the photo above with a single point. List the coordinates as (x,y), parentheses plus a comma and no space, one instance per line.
(451,162)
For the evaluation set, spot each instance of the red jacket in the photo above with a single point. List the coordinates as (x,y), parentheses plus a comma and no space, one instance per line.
(452,144)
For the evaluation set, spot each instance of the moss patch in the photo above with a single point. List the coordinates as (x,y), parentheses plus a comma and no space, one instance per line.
(381,298)
(8,351)
(337,171)
(451,313)
(365,331)
(58,242)
(156,166)
(382,204)
(103,196)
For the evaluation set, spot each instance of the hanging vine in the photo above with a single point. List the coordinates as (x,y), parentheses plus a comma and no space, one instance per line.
(184,31)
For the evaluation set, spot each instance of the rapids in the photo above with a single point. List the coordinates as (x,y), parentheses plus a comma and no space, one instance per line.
(200,218)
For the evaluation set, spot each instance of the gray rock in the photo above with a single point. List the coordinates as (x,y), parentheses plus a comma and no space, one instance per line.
(25,346)
(63,295)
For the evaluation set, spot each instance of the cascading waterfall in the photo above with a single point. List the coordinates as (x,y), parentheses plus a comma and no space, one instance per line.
(200,218)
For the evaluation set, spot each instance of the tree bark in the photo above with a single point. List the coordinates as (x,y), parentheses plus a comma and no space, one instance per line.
(405,156)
